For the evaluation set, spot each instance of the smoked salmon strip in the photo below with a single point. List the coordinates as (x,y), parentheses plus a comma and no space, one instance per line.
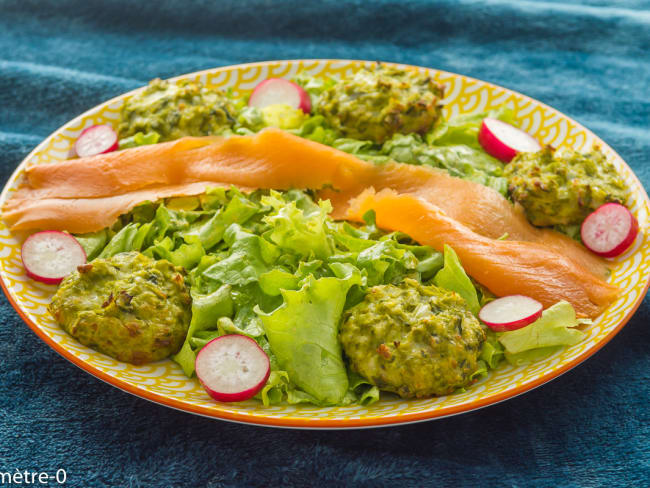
(481,208)
(82,215)
(271,159)
(87,194)
(504,267)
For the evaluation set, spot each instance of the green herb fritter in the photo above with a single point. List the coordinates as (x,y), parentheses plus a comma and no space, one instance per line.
(175,110)
(563,188)
(412,339)
(376,103)
(128,306)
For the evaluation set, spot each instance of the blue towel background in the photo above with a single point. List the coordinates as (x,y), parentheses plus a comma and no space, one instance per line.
(590,60)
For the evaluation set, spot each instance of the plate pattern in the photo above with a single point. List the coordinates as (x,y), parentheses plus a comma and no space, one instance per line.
(165,383)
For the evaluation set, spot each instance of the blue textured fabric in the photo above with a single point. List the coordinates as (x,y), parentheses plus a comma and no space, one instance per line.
(590,60)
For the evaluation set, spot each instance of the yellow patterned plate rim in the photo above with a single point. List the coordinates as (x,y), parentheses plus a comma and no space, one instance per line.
(161,382)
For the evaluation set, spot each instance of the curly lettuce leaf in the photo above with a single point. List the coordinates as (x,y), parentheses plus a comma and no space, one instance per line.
(556,327)
(183,203)
(93,243)
(314,86)
(249,257)
(463,129)
(189,254)
(130,238)
(362,391)
(386,262)
(208,232)
(383,260)
(453,277)
(315,129)
(139,139)
(532,355)
(301,231)
(303,334)
(206,311)
(279,389)
(461,160)
(492,353)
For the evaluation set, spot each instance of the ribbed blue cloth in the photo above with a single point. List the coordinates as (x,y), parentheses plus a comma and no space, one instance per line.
(590,60)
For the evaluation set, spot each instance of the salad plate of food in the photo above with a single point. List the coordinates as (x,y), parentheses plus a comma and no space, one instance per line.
(324,243)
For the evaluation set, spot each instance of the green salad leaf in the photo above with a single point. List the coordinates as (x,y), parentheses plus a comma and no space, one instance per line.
(188,255)
(130,238)
(93,243)
(206,310)
(302,231)
(250,255)
(279,388)
(303,334)
(556,327)
(463,129)
(453,277)
(532,355)
(314,86)
(362,391)
(492,353)
(139,139)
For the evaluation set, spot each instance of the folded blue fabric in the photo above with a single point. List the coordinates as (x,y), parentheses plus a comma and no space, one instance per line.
(590,60)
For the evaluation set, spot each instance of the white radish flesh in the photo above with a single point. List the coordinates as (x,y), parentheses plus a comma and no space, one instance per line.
(504,141)
(280,91)
(98,139)
(510,313)
(609,230)
(232,368)
(49,256)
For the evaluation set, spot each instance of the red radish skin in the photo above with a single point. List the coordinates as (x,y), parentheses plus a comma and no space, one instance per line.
(98,139)
(278,90)
(510,313)
(610,230)
(232,368)
(504,141)
(51,255)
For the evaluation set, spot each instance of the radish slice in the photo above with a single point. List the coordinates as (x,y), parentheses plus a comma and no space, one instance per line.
(510,313)
(505,141)
(609,230)
(98,139)
(278,90)
(232,368)
(50,255)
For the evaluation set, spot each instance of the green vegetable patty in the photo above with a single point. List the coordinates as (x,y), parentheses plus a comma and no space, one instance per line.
(562,189)
(375,104)
(413,340)
(175,110)
(128,306)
